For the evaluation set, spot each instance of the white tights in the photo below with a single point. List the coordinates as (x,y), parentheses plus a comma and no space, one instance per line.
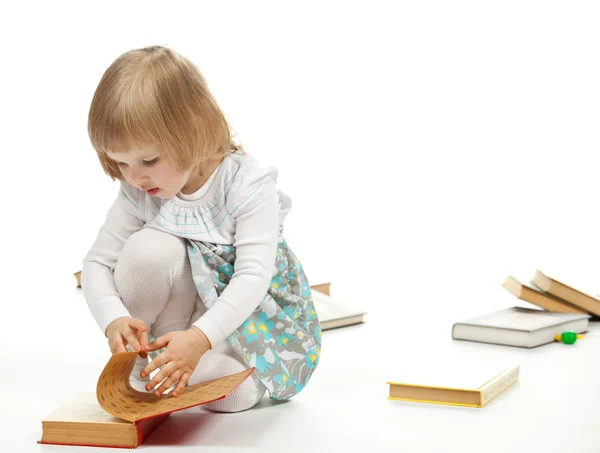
(154,279)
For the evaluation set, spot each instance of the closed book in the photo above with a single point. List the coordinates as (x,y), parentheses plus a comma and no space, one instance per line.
(474,385)
(586,301)
(334,312)
(519,326)
(528,292)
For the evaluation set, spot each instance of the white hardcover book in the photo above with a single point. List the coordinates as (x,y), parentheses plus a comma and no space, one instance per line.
(519,326)
(334,312)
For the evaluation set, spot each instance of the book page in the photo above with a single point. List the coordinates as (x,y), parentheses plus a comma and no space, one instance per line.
(83,408)
(117,397)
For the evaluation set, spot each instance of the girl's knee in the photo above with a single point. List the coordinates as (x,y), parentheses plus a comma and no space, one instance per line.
(245,397)
(219,362)
(149,271)
(150,252)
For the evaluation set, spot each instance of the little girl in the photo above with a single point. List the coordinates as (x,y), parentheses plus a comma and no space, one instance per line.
(192,255)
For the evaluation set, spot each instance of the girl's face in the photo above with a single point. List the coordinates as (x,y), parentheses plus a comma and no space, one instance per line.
(147,170)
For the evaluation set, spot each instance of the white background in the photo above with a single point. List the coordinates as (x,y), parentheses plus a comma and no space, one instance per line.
(430,149)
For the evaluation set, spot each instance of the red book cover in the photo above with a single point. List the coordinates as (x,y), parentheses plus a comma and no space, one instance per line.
(144,411)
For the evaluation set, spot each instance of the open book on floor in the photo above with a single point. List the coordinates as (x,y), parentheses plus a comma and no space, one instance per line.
(332,312)
(519,326)
(119,416)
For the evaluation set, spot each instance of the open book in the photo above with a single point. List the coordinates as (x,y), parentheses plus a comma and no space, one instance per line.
(119,416)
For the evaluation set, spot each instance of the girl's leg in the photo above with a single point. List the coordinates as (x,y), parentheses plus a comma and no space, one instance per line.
(154,281)
(221,361)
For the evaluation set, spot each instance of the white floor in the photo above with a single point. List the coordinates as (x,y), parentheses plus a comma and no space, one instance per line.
(430,149)
(552,408)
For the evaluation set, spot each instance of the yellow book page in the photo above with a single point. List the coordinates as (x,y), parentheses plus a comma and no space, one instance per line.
(117,397)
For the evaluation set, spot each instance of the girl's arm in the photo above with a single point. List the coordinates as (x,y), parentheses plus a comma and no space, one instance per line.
(256,247)
(97,279)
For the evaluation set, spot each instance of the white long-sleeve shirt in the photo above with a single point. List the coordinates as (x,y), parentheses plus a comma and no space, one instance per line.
(239,205)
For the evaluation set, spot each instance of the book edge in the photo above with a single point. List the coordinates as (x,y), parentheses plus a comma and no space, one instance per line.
(441,403)
(86,445)
(472,390)
(249,371)
(575,317)
(333,323)
(564,286)
(522,290)
(504,380)
(437,387)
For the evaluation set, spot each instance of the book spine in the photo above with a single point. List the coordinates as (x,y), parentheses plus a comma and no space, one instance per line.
(45,442)
(496,386)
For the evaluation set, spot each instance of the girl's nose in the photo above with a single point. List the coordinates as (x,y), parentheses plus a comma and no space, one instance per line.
(137,175)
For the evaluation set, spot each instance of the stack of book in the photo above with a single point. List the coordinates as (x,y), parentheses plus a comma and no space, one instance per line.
(562,308)
(553,295)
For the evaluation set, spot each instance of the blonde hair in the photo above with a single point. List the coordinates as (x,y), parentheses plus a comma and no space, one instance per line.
(154,96)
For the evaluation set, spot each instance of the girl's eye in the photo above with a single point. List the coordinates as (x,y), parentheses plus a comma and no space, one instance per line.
(149,163)
(121,164)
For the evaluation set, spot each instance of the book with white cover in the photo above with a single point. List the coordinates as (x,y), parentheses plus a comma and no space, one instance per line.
(334,313)
(519,326)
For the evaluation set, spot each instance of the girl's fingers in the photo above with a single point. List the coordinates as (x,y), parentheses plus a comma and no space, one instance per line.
(138,324)
(159,343)
(144,339)
(143,344)
(118,345)
(185,377)
(131,338)
(164,373)
(168,382)
(159,361)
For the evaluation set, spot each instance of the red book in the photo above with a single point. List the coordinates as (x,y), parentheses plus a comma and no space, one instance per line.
(119,416)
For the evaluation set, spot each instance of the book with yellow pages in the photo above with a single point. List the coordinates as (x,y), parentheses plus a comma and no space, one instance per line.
(470,387)
(528,292)
(586,301)
(118,416)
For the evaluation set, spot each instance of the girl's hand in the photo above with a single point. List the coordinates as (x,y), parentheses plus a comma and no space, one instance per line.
(178,361)
(124,331)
